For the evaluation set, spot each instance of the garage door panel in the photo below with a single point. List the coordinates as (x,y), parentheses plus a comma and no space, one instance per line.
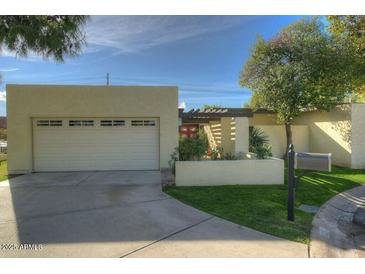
(96,147)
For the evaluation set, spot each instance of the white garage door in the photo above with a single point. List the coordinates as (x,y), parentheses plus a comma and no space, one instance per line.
(95,144)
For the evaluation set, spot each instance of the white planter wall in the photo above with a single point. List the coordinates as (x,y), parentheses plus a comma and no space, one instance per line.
(225,172)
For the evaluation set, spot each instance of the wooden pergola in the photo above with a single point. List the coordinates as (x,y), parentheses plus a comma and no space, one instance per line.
(212,114)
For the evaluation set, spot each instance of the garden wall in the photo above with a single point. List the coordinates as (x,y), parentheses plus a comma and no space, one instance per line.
(277,138)
(357,136)
(230,172)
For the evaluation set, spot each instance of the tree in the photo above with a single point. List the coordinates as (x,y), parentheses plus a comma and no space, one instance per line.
(256,102)
(48,36)
(350,30)
(301,68)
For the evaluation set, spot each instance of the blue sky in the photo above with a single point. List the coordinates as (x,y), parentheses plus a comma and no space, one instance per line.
(202,55)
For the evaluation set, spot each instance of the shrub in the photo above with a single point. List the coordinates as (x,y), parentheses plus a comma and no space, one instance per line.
(193,148)
(216,153)
(264,151)
(259,143)
(229,156)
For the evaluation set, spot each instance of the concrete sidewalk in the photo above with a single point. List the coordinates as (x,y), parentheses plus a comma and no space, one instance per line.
(334,234)
(118,214)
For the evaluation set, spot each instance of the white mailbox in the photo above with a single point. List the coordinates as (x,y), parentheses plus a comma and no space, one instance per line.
(313,161)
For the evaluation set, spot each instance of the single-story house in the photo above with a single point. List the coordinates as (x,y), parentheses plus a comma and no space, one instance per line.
(76,128)
(72,128)
(340,131)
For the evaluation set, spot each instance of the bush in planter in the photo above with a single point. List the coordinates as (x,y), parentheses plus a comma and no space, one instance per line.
(259,143)
(263,152)
(193,148)
(216,153)
(229,156)
(190,149)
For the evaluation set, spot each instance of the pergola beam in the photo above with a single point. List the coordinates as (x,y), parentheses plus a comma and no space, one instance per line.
(216,113)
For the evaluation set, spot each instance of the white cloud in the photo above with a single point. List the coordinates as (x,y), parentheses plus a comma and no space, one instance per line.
(133,34)
(31,57)
(182,105)
(2,96)
(9,69)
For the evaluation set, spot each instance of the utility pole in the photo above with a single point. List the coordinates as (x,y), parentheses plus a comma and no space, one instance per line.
(107,78)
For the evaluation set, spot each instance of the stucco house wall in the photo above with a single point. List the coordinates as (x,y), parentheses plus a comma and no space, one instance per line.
(327,132)
(25,102)
(224,134)
(265,118)
(330,132)
(277,138)
(227,134)
(216,130)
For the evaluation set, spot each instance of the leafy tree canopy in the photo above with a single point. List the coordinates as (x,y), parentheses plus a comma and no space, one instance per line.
(256,102)
(301,68)
(350,30)
(49,36)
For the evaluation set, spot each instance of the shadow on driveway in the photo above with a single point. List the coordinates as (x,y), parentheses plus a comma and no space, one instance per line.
(117,214)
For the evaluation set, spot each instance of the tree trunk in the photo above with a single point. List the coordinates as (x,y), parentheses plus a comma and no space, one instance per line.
(289,138)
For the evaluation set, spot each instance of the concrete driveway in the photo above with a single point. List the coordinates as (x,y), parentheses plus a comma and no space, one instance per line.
(118,214)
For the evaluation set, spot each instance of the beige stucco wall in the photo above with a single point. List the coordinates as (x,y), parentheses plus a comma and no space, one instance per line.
(216,130)
(358,136)
(241,136)
(263,119)
(236,172)
(227,134)
(25,102)
(330,132)
(327,132)
(277,138)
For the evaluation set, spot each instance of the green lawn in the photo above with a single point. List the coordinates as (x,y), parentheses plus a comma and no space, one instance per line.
(264,207)
(4,171)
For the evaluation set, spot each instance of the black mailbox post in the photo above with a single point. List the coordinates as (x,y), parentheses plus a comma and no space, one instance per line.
(291,183)
(304,161)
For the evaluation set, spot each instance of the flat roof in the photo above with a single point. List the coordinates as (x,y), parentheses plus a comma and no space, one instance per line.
(96,86)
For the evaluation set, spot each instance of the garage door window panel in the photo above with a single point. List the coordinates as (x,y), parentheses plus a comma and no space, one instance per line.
(81,123)
(43,123)
(139,123)
(118,123)
(55,123)
(149,123)
(49,123)
(88,123)
(106,123)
